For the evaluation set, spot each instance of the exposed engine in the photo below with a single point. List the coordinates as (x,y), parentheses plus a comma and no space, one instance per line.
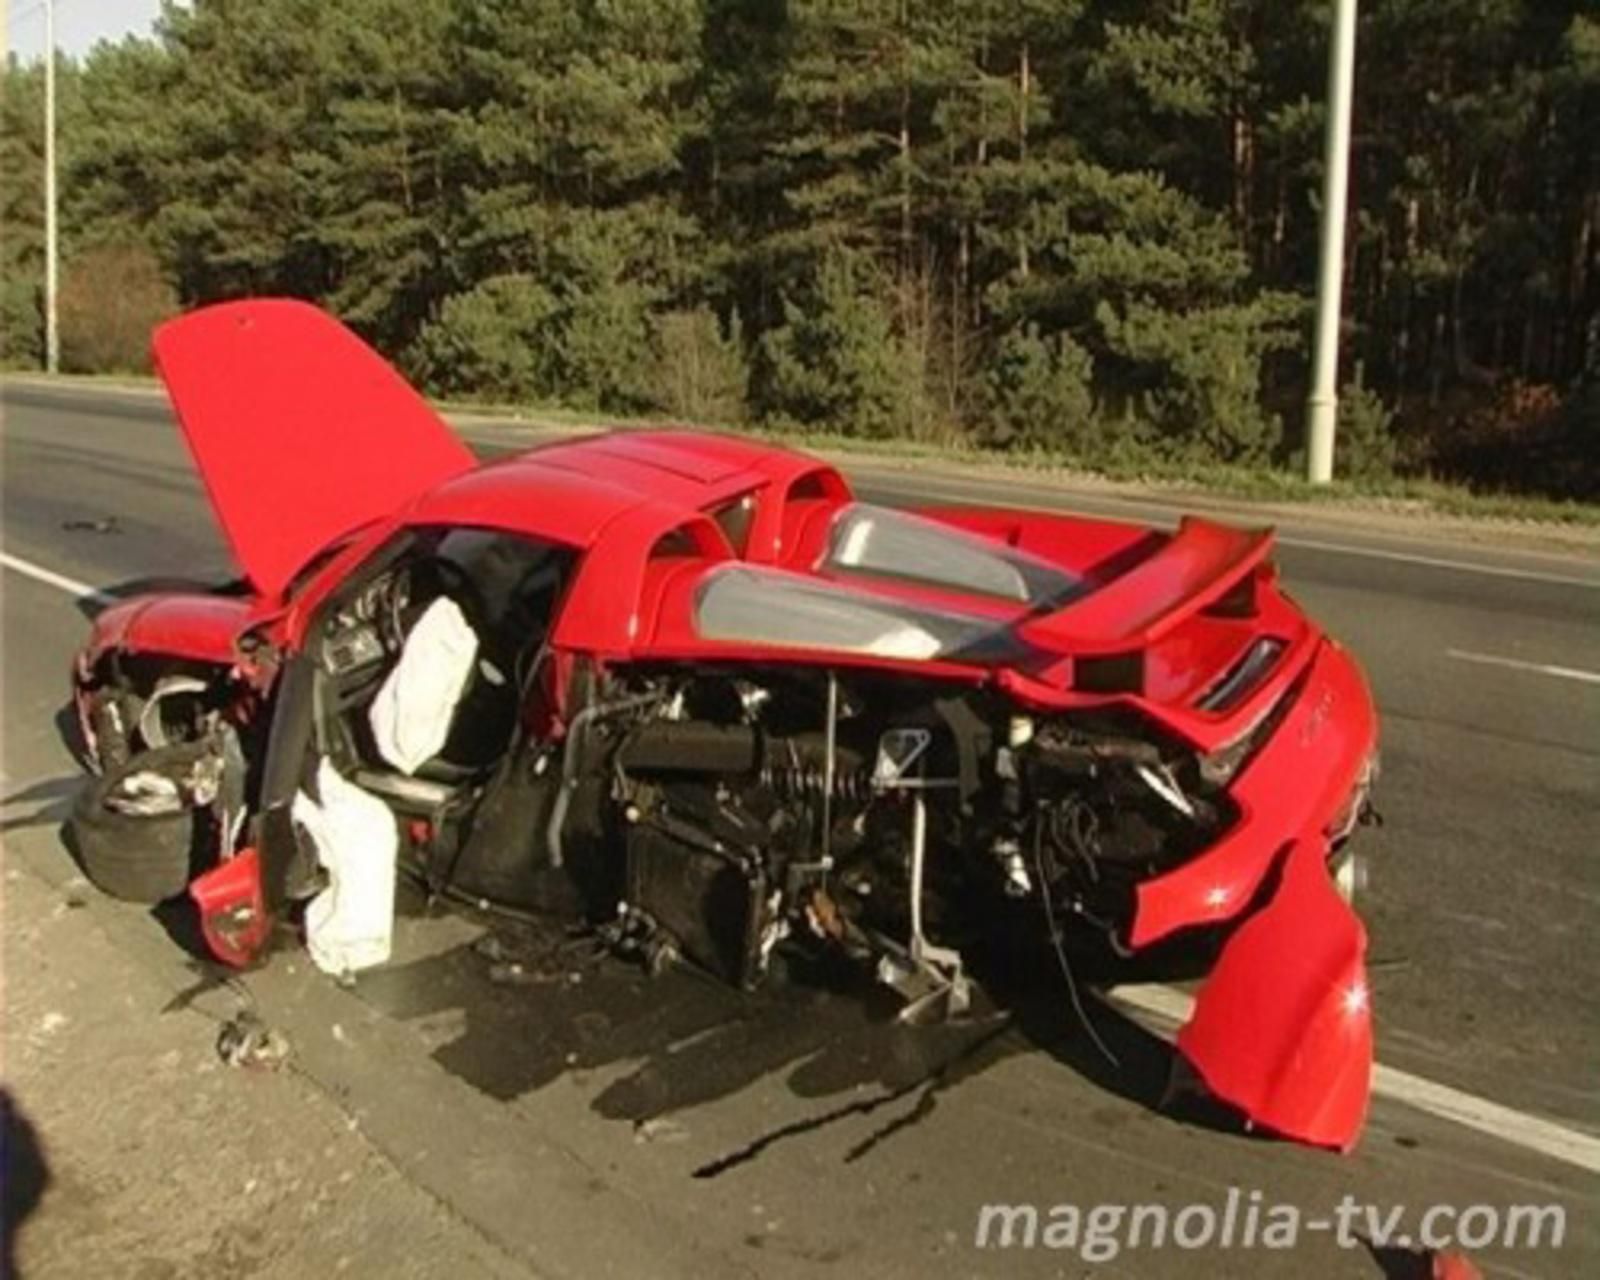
(853,810)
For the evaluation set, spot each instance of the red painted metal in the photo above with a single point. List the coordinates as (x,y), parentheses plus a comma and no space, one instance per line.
(299,429)
(233,913)
(303,434)
(1089,548)
(1282,1028)
(177,624)
(1291,791)
(1194,568)
(601,613)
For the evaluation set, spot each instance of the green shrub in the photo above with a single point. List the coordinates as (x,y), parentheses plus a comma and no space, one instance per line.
(1038,392)
(1364,443)
(699,372)
(836,362)
(21,324)
(1198,373)
(489,342)
(600,346)
(513,339)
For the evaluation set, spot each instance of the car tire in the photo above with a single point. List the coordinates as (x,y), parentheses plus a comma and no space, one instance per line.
(145,858)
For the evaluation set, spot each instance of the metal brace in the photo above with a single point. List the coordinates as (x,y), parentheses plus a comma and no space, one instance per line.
(930,977)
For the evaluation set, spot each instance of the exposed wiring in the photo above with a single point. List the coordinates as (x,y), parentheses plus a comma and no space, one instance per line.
(1061,953)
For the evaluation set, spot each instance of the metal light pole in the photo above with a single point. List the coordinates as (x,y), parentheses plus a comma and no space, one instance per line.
(1323,405)
(52,336)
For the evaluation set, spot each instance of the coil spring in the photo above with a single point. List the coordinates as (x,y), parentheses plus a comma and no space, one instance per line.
(805,781)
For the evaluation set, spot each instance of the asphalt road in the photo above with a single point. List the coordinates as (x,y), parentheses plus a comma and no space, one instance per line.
(589,1120)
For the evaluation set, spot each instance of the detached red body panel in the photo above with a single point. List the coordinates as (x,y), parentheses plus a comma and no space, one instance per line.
(1219,705)
(1282,1028)
(234,918)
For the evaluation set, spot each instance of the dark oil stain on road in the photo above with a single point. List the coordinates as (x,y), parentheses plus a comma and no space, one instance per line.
(536,1001)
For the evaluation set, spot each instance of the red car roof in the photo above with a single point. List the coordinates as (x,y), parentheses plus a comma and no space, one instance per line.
(569,491)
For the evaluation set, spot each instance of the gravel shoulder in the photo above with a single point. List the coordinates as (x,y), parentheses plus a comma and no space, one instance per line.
(132,1150)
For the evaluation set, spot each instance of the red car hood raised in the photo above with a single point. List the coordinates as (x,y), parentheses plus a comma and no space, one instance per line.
(300,430)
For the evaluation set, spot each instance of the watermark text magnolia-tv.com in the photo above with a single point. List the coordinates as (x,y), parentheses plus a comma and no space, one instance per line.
(1251,1220)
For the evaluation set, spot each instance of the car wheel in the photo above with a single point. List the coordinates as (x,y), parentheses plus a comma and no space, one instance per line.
(137,856)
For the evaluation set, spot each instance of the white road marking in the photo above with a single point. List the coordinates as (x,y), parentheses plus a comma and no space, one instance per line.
(1517,664)
(1439,562)
(79,590)
(1533,1133)
(1144,510)
(1174,1006)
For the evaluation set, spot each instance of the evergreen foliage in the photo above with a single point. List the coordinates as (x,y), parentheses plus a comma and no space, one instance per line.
(1088,225)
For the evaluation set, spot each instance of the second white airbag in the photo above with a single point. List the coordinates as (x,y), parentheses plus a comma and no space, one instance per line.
(411,715)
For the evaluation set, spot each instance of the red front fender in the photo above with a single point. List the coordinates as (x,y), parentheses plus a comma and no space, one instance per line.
(1282,1028)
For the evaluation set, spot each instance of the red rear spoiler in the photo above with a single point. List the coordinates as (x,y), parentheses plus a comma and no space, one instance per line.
(1198,566)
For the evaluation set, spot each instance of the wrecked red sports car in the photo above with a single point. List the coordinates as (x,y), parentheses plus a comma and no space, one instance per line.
(687,685)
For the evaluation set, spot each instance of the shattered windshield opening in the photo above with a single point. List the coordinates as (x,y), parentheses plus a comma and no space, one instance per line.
(764,606)
(881,542)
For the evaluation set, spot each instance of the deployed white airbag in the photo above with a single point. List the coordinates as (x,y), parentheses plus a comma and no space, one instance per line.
(411,715)
(350,924)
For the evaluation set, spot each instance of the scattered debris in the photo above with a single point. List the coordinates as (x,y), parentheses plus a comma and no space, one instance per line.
(246,1041)
(512,974)
(145,794)
(514,965)
(658,1129)
(105,524)
(490,948)
(149,793)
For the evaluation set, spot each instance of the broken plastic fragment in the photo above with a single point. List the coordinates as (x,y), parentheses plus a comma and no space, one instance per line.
(232,907)
(246,1041)
(659,1129)
(145,794)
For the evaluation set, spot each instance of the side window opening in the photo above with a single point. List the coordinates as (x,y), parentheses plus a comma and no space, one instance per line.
(734,519)
(698,539)
(675,545)
(506,590)
(817,484)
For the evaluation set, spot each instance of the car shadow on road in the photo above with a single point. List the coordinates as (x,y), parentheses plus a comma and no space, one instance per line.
(1398,1263)
(531,1001)
(53,796)
(526,1004)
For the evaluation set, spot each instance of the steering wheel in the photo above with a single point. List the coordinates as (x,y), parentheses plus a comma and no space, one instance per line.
(445,578)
